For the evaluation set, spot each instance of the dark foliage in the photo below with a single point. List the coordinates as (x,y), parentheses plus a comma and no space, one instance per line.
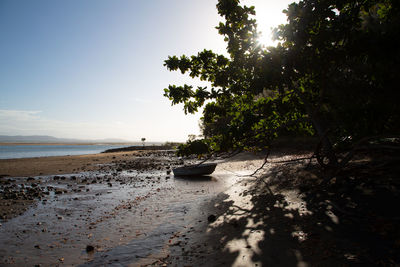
(332,75)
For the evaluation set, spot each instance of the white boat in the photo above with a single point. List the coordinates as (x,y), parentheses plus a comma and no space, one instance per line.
(195,170)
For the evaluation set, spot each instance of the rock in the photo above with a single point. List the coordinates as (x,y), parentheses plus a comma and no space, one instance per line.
(211,218)
(58,191)
(89,248)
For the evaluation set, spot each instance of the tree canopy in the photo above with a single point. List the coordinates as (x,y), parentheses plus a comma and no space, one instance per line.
(333,75)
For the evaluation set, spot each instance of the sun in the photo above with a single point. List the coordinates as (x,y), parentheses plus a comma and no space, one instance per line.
(265,39)
(269,15)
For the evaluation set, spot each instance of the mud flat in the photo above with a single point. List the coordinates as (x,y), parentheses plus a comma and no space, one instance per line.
(124,207)
(128,210)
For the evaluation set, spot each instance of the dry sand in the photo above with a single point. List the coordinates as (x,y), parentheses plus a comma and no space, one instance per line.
(59,165)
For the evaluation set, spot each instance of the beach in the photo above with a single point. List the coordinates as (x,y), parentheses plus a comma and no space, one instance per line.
(127,209)
(61,205)
(59,164)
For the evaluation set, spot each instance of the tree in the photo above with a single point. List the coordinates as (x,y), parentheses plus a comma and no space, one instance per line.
(332,75)
(191,137)
(143,140)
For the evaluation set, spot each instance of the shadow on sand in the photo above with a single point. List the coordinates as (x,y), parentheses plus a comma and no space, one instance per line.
(284,218)
(197,178)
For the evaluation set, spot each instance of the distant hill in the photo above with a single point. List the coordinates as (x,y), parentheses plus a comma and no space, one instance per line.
(52,139)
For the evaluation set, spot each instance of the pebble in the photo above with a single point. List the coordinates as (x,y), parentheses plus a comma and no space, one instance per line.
(89,248)
(211,218)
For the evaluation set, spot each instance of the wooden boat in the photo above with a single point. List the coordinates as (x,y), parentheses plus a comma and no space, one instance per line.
(195,170)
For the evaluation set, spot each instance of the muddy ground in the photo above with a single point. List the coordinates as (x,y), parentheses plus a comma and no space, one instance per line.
(129,210)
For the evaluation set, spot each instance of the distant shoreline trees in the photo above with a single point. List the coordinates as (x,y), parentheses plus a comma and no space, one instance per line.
(143,141)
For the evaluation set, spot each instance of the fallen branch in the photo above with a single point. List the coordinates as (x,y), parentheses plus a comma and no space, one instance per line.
(262,166)
(278,162)
(294,160)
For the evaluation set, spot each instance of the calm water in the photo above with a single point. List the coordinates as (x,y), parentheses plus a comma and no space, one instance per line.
(29,151)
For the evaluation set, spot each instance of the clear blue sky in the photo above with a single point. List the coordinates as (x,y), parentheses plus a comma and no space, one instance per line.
(94,68)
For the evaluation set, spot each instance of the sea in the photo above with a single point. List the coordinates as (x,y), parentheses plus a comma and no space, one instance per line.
(46,150)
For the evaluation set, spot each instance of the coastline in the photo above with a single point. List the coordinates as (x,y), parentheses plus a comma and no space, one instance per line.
(64,144)
(54,165)
(127,207)
(109,201)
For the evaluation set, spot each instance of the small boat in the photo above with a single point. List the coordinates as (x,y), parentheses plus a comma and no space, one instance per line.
(195,170)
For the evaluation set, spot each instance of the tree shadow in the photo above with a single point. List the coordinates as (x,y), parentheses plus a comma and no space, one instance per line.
(286,217)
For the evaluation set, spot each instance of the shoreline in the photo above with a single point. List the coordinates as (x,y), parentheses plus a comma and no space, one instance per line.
(63,144)
(55,165)
(132,210)
(130,200)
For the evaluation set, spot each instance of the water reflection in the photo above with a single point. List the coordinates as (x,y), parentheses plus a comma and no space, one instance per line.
(124,217)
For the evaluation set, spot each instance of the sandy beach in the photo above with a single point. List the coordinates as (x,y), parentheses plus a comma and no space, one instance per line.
(60,206)
(59,165)
(127,209)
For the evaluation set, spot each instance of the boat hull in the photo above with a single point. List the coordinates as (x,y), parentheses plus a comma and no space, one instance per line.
(195,170)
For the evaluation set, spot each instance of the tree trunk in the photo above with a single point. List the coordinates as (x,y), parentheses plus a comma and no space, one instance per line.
(325,148)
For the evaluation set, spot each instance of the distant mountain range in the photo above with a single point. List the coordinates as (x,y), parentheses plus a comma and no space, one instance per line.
(52,139)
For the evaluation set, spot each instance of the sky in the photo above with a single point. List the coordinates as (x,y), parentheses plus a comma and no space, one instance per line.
(94,69)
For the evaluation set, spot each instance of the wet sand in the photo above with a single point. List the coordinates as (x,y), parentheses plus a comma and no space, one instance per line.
(127,209)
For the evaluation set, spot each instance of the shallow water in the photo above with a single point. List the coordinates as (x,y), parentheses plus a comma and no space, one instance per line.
(128,218)
(30,151)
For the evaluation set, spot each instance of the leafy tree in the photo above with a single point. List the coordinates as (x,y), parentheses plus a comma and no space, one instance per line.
(333,75)
(198,147)
(143,140)
(191,137)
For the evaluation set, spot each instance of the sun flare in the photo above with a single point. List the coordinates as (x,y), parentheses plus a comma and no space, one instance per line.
(265,39)
(269,15)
